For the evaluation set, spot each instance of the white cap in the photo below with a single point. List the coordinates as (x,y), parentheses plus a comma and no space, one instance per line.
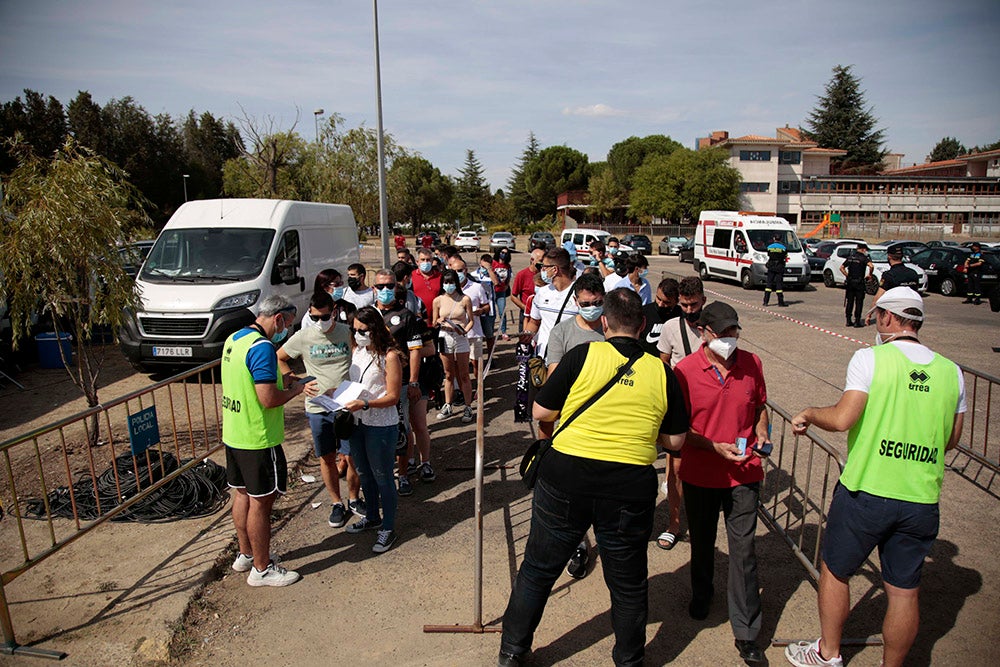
(897,300)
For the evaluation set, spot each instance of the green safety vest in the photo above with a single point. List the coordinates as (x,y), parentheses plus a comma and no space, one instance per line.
(246,424)
(896,449)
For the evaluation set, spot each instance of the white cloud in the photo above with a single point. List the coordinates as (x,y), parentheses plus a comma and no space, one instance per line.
(594,111)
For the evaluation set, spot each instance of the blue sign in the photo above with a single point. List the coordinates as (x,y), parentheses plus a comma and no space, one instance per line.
(143,430)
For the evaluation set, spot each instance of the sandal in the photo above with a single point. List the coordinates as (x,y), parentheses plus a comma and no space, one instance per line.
(667,540)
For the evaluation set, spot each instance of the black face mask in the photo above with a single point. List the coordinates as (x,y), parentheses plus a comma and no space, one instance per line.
(692,318)
(663,312)
(354,283)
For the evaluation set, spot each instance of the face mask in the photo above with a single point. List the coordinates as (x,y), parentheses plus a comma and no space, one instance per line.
(337,293)
(425,267)
(363,339)
(354,283)
(280,335)
(324,326)
(461,276)
(692,318)
(449,288)
(613,251)
(724,347)
(386,296)
(546,277)
(644,273)
(609,262)
(591,313)
(663,311)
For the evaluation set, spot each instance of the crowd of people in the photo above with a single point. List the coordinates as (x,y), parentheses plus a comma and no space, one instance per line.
(606,338)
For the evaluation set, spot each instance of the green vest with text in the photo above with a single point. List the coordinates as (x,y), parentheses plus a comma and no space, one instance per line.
(896,449)
(246,424)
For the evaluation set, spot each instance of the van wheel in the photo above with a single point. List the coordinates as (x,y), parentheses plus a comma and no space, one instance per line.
(703,272)
(948,287)
(828,278)
(746,280)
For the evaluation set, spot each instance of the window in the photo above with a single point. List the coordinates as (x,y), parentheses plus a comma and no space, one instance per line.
(755,156)
(722,238)
(789,157)
(754,187)
(789,187)
(288,254)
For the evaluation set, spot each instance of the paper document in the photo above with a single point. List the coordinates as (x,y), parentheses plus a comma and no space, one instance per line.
(346,392)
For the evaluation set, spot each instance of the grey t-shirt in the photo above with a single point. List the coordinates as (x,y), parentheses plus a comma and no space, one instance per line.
(325,355)
(565,336)
(672,342)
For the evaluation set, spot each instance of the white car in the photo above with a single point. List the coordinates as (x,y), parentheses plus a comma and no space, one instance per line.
(467,240)
(832,277)
(502,240)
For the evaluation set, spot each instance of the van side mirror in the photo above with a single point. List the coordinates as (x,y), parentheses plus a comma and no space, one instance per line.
(288,271)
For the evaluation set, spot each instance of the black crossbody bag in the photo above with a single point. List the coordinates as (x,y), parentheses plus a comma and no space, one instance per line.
(537,450)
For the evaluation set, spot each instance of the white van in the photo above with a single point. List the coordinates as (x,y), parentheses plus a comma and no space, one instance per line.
(214,262)
(732,245)
(582,238)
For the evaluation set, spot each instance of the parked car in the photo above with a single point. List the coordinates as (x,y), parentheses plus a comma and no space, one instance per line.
(945,268)
(133,255)
(937,244)
(502,240)
(639,243)
(985,245)
(826,248)
(910,248)
(816,263)
(435,239)
(543,240)
(811,241)
(671,245)
(686,253)
(878,254)
(467,240)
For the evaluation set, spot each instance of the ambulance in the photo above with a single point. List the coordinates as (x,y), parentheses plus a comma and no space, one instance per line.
(732,245)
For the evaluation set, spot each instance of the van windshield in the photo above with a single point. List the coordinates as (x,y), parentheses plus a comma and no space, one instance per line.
(761,238)
(207,255)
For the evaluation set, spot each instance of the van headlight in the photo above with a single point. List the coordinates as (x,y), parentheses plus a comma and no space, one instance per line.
(244,300)
(759,257)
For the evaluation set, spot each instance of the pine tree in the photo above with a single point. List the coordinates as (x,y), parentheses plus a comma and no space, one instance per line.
(527,209)
(948,148)
(842,120)
(471,190)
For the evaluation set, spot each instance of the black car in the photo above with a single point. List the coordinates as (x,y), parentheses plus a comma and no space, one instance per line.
(686,253)
(816,263)
(543,240)
(638,242)
(945,269)
(910,248)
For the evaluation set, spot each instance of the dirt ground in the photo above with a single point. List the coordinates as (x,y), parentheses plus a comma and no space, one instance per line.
(156,594)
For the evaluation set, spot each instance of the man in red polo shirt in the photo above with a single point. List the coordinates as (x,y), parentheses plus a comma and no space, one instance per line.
(721,467)
(426,281)
(523,287)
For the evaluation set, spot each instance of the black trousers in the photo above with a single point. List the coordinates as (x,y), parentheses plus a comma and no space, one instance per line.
(775,280)
(854,301)
(975,285)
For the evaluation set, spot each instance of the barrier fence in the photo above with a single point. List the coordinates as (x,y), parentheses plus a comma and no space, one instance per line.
(104,463)
(977,457)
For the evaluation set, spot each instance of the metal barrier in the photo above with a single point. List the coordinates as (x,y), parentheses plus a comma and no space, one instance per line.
(798,487)
(979,460)
(60,455)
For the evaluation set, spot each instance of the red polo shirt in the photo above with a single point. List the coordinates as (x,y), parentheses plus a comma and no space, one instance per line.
(524,285)
(426,288)
(721,411)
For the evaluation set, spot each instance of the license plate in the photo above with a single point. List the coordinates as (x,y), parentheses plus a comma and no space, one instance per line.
(990,276)
(171,351)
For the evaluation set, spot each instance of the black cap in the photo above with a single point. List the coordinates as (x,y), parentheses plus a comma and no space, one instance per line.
(895,251)
(718,316)
(862,245)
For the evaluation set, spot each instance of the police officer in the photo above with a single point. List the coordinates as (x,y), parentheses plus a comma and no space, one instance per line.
(777,256)
(854,297)
(897,275)
(974,264)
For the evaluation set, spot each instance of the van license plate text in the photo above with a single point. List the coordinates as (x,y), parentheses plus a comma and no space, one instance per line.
(989,276)
(171,351)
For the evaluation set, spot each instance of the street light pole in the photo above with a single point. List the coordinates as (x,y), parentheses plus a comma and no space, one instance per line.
(382,205)
(186,177)
(316,114)
(881,189)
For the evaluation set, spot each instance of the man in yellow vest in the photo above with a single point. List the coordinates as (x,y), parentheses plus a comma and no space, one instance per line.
(253,428)
(903,406)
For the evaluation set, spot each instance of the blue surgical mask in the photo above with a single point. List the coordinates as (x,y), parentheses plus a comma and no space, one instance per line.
(609,262)
(449,288)
(591,313)
(644,273)
(281,335)
(425,267)
(386,296)
(546,277)
(461,276)
(337,293)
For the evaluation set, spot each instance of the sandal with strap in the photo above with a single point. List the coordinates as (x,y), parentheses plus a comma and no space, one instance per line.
(667,540)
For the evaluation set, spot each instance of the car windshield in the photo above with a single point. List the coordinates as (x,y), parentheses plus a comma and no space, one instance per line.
(195,255)
(878,256)
(678,239)
(761,238)
(640,237)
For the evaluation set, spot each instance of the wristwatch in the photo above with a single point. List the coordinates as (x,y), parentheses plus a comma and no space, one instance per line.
(415,384)
(365,406)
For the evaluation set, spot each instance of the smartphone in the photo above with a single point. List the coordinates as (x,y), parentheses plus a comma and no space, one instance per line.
(741,445)
(764,449)
(306,380)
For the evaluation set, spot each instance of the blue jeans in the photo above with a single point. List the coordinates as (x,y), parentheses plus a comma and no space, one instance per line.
(374,451)
(558,524)
(502,313)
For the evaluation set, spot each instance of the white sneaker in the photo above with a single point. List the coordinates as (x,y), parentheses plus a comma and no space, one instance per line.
(445,411)
(244,562)
(467,415)
(806,654)
(274,575)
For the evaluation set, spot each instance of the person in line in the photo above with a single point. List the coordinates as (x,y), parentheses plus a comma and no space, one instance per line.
(358,291)
(399,241)
(253,428)
(325,349)
(888,492)
(663,308)
(489,281)
(377,366)
(426,281)
(501,266)
(598,473)
(482,304)
(854,268)
(614,245)
(402,272)
(897,275)
(552,303)
(600,258)
(524,286)
(974,265)
(452,313)
(678,338)
(404,255)
(637,270)
(721,468)
(777,257)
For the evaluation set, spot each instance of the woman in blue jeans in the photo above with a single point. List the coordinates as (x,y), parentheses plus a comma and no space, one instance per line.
(377,367)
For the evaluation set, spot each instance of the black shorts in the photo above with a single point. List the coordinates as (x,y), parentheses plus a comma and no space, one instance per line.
(903,532)
(260,472)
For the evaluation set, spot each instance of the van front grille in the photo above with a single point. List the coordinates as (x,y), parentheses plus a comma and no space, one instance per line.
(193,327)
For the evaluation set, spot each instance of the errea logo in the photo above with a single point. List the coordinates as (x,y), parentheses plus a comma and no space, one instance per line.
(627,378)
(919,381)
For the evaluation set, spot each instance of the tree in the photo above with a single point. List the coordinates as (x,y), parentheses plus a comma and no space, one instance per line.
(683,184)
(269,167)
(948,148)
(471,190)
(62,224)
(628,155)
(41,123)
(417,191)
(526,207)
(554,170)
(207,144)
(500,211)
(605,194)
(843,120)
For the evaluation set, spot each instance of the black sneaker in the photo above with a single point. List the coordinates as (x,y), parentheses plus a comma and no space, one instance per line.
(510,660)
(339,515)
(363,525)
(749,651)
(458,398)
(405,488)
(357,506)
(427,473)
(577,567)
(412,467)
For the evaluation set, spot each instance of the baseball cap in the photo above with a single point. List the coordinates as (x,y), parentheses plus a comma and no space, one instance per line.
(862,245)
(570,247)
(895,251)
(897,300)
(718,316)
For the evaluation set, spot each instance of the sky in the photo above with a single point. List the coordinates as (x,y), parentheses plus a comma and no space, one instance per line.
(480,75)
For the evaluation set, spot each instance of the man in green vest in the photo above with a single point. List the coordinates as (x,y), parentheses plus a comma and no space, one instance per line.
(253,427)
(903,406)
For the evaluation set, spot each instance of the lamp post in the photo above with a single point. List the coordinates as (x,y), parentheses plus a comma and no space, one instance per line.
(881,189)
(186,177)
(382,204)
(316,114)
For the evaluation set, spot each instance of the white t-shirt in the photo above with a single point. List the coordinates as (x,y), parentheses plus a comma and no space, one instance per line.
(366,297)
(478,296)
(545,307)
(861,370)
(614,281)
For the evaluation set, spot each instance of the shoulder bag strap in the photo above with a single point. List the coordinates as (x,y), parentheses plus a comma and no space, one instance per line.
(684,336)
(569,293)
(590,401)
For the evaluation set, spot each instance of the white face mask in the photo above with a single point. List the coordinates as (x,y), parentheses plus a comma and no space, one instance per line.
(724,347)
(363,339)
(324,326)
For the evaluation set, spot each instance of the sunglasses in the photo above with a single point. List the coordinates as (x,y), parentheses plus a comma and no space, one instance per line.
(321,318)
(386,286)
(353,330)
(588,304)
(538,266)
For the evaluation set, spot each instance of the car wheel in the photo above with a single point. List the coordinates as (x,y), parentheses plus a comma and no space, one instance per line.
(949,287)
(703,272)
(828,278)
(746,280)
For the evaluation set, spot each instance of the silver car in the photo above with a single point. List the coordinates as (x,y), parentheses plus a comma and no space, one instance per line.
(671,245)
(502,240)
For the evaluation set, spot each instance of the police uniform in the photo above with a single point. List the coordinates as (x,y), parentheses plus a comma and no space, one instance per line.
(974,270)
(777,256)
(854,294)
